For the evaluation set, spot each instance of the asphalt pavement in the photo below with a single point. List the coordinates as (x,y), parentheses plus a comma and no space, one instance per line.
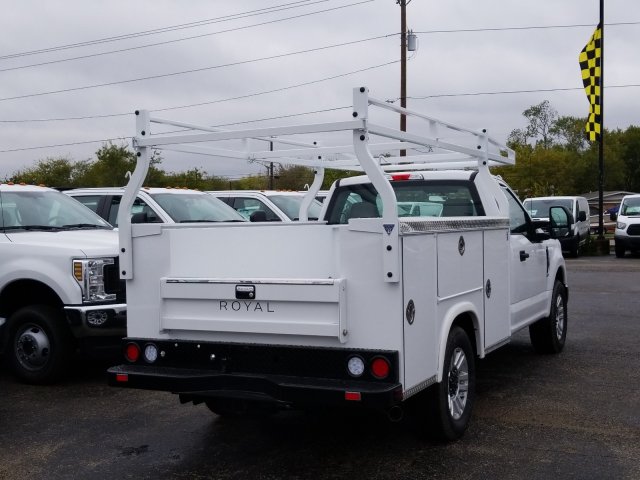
(571,416)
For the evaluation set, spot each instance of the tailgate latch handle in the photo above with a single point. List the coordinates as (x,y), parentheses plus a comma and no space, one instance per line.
(245,292)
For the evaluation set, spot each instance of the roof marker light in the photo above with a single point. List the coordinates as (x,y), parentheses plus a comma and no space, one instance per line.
(396,177)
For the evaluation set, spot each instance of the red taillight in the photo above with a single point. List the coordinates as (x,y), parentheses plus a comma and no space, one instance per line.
(132,352)
(400,176)
(122,377)
(380,367)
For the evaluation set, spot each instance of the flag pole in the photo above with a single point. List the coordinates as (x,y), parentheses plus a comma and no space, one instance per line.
(601,143)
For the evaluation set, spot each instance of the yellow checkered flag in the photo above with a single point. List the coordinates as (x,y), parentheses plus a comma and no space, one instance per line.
(590,63)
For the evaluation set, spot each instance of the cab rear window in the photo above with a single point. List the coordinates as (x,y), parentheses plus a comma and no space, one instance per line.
(415,198)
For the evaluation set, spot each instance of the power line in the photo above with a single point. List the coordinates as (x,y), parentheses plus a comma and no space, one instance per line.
(82,57)
(35,120)
(195,70)
(65,144)
(310,112)
(199,23)
(186,38)
(538,27)
(63,119)
(304,84)
(506,92)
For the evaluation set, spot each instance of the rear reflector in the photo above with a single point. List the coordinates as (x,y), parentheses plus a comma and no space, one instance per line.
(122,377)
(353,396)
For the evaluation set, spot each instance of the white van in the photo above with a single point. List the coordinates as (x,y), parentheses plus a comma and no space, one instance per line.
(579,208)
(627,235)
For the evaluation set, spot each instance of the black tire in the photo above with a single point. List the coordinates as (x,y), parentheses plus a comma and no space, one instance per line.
(574,251)
(40,344)
(548,335)
(451,401)
(620,250)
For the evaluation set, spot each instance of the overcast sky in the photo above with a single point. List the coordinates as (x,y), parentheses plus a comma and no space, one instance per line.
(464,47)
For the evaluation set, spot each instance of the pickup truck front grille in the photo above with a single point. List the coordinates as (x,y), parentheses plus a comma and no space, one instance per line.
(112,282)
(633,229)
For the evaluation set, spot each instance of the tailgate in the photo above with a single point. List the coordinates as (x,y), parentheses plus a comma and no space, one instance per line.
(314,307)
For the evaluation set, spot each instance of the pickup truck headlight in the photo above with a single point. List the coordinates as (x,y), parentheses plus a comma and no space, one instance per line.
(621,226)
(89,273)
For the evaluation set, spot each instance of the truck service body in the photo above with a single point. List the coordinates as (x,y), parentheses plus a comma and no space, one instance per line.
(364,307)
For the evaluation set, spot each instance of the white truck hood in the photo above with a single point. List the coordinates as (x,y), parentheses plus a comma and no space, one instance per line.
(77,242)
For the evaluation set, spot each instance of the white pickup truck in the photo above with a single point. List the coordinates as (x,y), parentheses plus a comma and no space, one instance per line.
(415,269)
(59,283)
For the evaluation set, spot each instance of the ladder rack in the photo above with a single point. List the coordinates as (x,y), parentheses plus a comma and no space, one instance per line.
(470,149)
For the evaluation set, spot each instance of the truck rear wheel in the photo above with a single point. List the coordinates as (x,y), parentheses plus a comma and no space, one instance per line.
(549,334)
(40,345)
(452,399)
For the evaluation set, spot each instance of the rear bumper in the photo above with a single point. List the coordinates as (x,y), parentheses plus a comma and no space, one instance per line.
(290,375)
(278,389)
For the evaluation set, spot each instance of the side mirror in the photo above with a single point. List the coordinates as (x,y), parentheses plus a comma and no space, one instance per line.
(560,222)
(582,216)
(613,216)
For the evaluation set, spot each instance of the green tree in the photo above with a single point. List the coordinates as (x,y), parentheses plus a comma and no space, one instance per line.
(540,120)
(630,153)
(53,172)
(570,132)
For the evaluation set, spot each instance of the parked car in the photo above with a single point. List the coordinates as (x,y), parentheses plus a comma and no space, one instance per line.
(627,234)
(538,208)
(320,196)
(157,205)
(268,205)
(59,283)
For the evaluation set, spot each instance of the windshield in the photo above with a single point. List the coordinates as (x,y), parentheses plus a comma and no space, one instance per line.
(630,206)
(186,207)
(539,208)
(290,205)
(46,210)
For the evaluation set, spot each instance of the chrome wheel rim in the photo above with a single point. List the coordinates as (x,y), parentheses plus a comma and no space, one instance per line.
(560,317)
(458,379)
(32,347)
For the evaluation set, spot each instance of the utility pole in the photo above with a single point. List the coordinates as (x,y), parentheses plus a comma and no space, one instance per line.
(403,65)
(271,168)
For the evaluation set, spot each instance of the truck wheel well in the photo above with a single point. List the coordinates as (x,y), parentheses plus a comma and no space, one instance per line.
(465,321)
(26,292)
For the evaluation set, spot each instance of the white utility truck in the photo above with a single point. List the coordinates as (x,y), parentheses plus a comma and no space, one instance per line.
(59,284)
(415,269)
